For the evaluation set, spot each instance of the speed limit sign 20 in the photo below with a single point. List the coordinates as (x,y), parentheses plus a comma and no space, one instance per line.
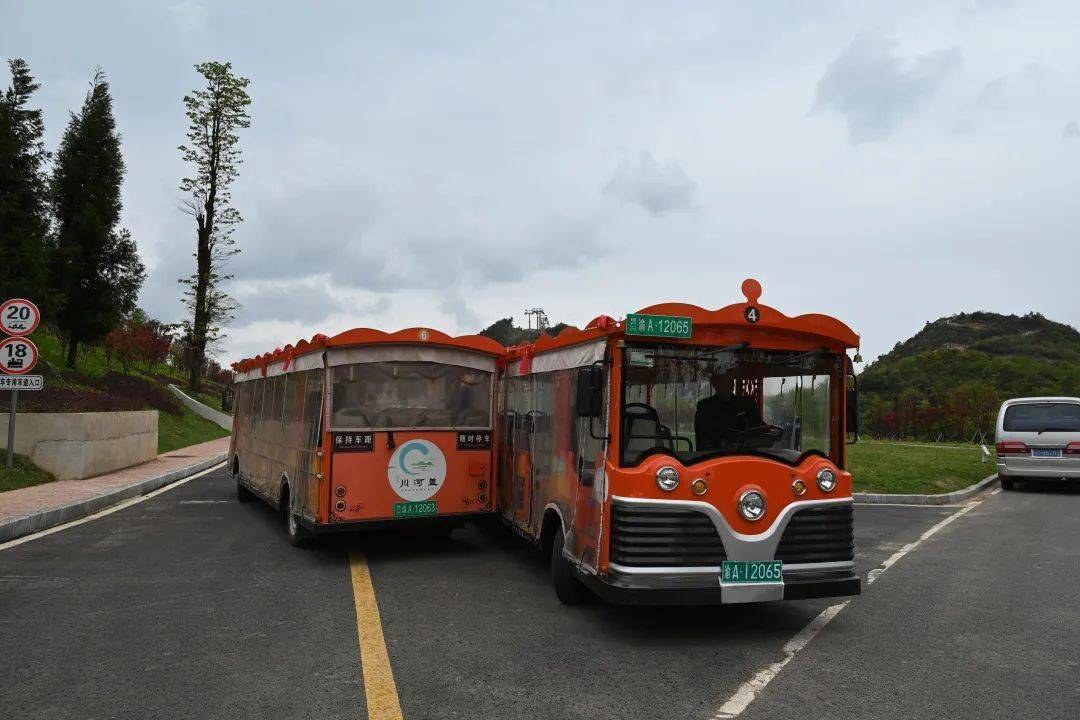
(19,317)
(17,356)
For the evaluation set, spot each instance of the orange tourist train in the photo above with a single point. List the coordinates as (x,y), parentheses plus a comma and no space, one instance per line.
(685,455)
(366,426)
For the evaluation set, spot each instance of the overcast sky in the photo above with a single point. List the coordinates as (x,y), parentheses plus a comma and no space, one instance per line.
(448,164)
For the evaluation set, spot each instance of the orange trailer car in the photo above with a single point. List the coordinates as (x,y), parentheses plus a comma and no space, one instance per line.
(685,455)
(365,427)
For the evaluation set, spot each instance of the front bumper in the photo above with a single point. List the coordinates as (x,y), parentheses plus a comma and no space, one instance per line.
(706,589)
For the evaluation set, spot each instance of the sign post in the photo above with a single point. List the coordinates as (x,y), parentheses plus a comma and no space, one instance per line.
(18,356)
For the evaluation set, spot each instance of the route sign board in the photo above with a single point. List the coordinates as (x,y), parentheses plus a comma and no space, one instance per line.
(662,326)
(21,382)
(19,317)
(18,356)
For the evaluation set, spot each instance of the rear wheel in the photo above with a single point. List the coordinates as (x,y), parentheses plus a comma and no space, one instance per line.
(568,588)
(298,535)
(1007,483)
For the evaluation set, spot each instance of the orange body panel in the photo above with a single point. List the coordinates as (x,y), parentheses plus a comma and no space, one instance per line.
(373,484)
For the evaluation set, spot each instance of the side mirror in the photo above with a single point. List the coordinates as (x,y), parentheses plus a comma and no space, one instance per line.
(851,411)
(590,392)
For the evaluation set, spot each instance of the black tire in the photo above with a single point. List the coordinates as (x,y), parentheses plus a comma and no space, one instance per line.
(568,588)
(1007,483)
(297,533)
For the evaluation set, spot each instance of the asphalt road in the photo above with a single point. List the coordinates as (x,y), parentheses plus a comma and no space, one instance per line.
(192,605)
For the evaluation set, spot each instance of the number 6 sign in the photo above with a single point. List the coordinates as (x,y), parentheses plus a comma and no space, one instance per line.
(17,356)
(19,317)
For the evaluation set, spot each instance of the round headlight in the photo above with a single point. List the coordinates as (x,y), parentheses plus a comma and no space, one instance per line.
(826,480)
(667,478)
(752,505)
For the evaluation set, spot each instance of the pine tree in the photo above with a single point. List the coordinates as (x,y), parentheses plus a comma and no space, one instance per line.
(23,212)
(215,113)
(96,266)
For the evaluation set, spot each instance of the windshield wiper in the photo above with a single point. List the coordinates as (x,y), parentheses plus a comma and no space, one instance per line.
(1056,429)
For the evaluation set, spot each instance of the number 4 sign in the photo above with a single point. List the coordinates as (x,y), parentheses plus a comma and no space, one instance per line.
(19,317)
(17,356)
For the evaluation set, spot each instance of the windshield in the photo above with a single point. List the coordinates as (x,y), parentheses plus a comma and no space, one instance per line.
(1042,417)
(697,402)
(410,395)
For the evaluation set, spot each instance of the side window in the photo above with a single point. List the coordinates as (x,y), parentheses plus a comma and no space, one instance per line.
(313,407)
(278,406)
(294,397)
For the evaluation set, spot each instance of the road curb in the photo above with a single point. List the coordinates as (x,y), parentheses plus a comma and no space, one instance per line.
(943,499)
(51,517)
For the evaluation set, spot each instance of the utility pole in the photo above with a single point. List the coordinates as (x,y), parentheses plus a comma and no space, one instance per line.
(541,318)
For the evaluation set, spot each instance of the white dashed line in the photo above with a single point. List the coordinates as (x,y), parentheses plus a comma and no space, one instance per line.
(749,690)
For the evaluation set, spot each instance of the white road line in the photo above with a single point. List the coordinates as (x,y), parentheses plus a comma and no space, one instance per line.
(908,505)
(995,492)
(749,690)
(106,511)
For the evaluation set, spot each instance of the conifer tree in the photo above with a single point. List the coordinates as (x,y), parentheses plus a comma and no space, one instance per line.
(96,266)
(24,220)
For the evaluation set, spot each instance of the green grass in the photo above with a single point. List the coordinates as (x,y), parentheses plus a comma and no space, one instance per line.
(187,428)
(23,473)
(890,467)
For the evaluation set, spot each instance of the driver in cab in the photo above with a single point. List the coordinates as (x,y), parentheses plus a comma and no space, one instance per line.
(721,421)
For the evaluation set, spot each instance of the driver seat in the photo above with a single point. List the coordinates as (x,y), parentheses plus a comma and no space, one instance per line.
(643,430)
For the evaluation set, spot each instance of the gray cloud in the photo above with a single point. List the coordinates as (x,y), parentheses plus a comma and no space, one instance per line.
(1071,131)
(874,90)
(306,300)
(657,187)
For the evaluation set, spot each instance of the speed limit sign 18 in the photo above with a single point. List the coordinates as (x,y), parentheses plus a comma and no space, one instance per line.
(19,317)
(17,356)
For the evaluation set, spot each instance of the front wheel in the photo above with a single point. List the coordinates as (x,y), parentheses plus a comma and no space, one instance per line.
(1007,483)
(568,588)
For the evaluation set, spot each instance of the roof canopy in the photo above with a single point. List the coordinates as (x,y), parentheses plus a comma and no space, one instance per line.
(369,336)
(732,320)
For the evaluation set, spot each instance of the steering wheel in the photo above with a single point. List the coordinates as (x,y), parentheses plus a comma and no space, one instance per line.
(772,432)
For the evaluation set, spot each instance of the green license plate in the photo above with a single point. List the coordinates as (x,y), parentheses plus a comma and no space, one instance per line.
(663,326)
(415,509)
(752,571)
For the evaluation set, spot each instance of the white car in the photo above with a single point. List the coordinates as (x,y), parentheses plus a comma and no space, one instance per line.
(1038,438)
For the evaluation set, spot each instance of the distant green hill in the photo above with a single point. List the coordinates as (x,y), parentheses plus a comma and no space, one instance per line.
(948,380)
(507,333)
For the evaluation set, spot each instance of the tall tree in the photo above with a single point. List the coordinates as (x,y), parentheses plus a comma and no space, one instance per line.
(24,220)
(216,113)
(96,266)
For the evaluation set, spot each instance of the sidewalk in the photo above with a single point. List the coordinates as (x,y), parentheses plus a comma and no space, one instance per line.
(32,509)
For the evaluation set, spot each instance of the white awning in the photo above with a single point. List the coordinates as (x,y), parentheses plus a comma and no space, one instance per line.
(572,357)
(410,353)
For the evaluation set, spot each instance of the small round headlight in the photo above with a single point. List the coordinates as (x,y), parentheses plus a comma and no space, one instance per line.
(826,480)
(798,487)
(752,505)
(699,486)
(667,478)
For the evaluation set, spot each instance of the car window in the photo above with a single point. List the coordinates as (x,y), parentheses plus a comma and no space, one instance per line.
(1042,417)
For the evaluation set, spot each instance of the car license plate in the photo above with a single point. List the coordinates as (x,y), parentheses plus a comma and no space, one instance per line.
(1045,453)
(415,509)
(752,571)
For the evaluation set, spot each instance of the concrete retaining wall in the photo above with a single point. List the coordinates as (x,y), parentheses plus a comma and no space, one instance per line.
(217,417)
(73,446)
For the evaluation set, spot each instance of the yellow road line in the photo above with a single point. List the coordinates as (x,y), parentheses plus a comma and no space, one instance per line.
(379,686)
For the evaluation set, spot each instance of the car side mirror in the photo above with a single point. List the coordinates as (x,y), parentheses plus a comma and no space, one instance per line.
(590,392)
(851,410)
